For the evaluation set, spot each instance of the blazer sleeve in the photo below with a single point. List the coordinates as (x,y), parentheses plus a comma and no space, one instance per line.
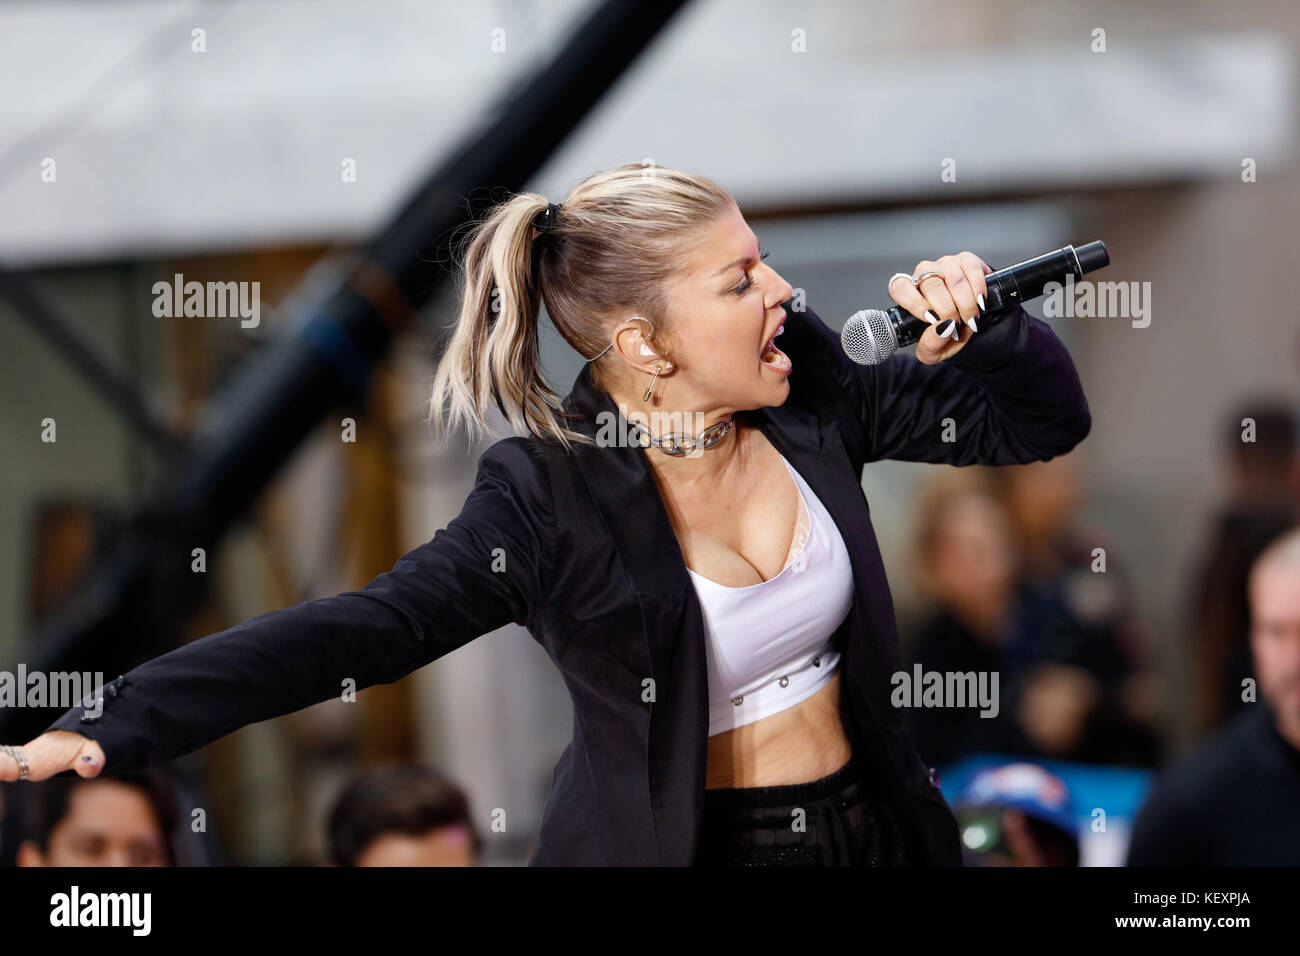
(488,567)
(1012,394)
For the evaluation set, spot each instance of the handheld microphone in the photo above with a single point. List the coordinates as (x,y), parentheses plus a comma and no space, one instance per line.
(871,336)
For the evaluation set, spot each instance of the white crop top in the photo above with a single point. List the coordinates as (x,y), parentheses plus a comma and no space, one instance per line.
(769,645)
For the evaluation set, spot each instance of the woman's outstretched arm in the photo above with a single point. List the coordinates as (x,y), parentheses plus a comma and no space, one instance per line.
(487,568)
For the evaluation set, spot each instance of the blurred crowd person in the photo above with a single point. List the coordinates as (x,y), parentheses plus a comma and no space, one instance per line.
(1017,814)
(1235,801)
(1078,603)
(1259,442)
(1019,591)
(125,819)
(406,815)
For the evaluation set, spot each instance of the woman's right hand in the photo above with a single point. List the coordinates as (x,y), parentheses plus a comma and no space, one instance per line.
(53,752)
(951,299)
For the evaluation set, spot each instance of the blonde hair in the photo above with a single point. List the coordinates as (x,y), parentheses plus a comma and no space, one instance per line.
(618,236)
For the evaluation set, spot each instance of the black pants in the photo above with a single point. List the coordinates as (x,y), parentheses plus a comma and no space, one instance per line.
(844,822)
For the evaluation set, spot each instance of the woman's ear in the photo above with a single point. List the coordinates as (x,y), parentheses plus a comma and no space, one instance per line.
(642,350)
(648,350)
(647,325)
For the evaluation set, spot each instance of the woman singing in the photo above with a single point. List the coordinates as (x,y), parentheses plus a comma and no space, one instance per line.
(685,534)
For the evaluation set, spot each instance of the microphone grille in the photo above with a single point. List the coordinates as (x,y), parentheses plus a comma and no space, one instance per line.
(867,337)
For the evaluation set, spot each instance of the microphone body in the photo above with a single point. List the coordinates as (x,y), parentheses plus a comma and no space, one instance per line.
(871,335)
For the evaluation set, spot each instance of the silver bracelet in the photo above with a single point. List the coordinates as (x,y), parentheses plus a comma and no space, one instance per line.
(19,756)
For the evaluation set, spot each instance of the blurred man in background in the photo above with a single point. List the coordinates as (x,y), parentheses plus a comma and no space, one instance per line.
(402,816)
(123,819)
(1264,489)
(1236,800)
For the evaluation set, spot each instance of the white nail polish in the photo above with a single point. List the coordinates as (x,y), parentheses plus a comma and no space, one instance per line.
(971,323)
(931,317)
(980,299)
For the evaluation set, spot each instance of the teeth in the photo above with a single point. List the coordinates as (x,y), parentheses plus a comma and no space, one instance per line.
(769,347)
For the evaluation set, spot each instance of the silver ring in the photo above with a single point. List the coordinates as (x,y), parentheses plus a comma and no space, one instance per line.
(19,757)
(897,275)
(928,275)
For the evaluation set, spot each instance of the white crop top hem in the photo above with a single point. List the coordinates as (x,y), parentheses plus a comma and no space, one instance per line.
(760,702)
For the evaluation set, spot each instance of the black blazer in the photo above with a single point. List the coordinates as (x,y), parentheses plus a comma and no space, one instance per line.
(578,549)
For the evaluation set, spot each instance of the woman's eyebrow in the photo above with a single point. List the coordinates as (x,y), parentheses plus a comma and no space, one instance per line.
(731,265)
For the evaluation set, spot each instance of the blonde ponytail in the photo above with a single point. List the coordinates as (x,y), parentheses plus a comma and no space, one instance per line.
(615,241)
(493,357)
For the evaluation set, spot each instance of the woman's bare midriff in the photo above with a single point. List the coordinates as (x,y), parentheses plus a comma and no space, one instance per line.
(802,743)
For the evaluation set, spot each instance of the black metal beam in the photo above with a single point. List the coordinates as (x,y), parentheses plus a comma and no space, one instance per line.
(88,358)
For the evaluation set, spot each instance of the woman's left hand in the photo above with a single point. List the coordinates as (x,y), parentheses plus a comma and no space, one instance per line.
(951,302)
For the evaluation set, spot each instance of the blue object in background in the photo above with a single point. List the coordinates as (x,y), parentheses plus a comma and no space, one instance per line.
(1116,791)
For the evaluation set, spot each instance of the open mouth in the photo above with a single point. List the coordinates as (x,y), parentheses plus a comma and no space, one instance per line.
(772,357)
